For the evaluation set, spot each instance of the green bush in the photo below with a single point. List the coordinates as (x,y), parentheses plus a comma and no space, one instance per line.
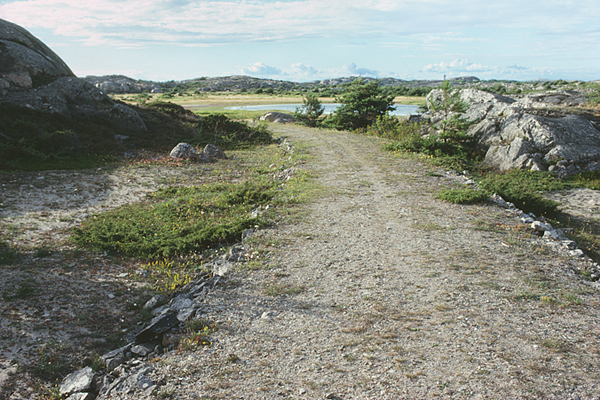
(311,111)
(221,131)
(361,104)
(588,179)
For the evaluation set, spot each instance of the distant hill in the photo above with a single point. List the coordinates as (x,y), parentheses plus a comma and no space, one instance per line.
(119,84)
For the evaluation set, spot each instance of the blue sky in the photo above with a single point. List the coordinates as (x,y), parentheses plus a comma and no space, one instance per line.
(305,40)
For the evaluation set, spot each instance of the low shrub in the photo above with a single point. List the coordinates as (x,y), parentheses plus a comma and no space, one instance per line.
(524,188)
(37,140)
(177,221)
(463,196)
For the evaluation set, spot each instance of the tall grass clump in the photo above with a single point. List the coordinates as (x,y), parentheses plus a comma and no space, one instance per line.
(177,221)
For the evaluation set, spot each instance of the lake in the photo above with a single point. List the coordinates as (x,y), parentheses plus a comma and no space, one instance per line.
(401,109)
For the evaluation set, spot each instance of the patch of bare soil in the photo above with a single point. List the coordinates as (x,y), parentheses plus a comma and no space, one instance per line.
(60,306)
(376,290)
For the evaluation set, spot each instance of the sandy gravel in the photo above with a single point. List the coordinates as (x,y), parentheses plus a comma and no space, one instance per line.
(380,291)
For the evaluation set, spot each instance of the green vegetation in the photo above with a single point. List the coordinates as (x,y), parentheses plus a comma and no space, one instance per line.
(8,255)
(37,140)
(524,188)
(361,105)
(311,110)
(228,134)
(463,196)
(178,221)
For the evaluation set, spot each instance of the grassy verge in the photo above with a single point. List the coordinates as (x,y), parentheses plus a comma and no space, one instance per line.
(175,227)
(523,188)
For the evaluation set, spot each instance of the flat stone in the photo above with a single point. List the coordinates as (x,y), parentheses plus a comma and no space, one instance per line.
(540,226)
(78,381)
(181,302)
(143,349)
(81,396)
(160,325)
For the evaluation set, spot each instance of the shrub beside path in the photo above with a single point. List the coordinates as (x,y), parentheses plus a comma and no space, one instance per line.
(380,291)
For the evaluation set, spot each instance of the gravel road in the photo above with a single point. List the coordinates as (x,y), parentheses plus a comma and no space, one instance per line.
(379,291)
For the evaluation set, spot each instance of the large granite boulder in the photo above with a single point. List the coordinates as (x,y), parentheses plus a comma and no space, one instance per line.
(23,58)
(33,76)
(535,132)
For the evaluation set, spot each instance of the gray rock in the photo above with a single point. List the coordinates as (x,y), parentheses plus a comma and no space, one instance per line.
(183,151)
(24,57)
(277,117)
(154,301)
(577,253)
(569,244)
(143,349)
(114,358)
(158,326)
(540,226)
(127,118)
(78,381)
(133,381)
(222,268)
(81,396)
(212,151)
(180,302)
(517,134)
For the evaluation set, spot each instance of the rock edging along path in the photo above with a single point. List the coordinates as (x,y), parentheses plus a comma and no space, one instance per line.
(379,291)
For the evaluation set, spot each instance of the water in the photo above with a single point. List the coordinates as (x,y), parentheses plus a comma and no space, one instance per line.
(401,109)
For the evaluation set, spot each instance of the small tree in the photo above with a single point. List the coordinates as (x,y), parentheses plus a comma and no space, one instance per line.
(311,110)
(452,126)
(362,104)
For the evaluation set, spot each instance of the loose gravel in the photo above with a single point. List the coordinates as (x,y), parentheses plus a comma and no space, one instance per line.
(376,290)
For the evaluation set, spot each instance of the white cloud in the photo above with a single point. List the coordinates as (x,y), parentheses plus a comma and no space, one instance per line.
(456,67)
(463,67)
(262,70)
(352,69)
(186,22)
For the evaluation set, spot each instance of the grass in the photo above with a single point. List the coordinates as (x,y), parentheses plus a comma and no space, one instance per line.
(279,289)
(178,220)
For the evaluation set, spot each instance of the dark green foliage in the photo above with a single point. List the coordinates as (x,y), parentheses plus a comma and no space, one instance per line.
(523,188)
(463,196)
(311,110)
(37,140)
(452,107)
(168,108)
(361,105)
(177,221)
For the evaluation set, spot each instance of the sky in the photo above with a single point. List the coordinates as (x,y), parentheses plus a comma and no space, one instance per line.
(306,40)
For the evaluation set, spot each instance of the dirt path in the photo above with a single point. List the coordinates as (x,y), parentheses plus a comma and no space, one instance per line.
(380,291)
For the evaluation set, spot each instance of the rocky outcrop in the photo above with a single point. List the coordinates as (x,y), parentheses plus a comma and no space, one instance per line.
(538,131)
(119,84)
(277,117)
(33,76)
(24,59)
